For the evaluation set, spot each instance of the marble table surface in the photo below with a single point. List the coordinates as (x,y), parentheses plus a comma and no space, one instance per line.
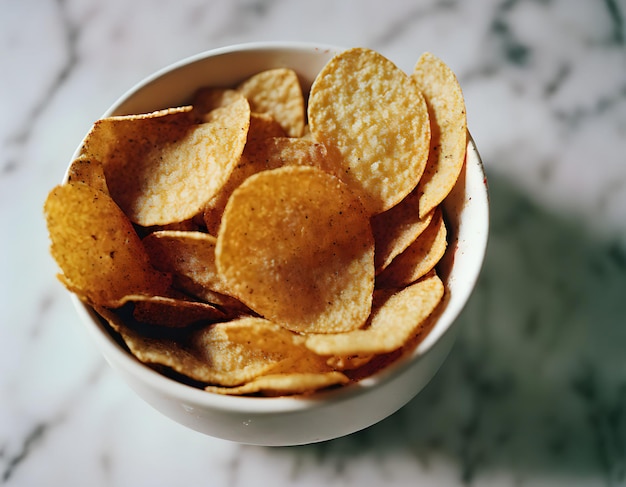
(534,391)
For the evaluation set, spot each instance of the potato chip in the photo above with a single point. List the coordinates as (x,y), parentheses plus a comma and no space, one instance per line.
(188,254)
(207,354)
(268,335)
(419,258)
(397,228)
(262,126)
(369,112)
(231,306)
(208,99)
(285,384)
(391,325)
(190,258)
(88,171)
(96,247)
(296,246)
(278,93)
(446,108)
(172,312)
(162,168)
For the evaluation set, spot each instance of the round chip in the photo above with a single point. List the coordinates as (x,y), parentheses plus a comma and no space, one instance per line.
(419,258)
(446,108)
(296,246)
(392,324)
(371,114)
(278,93)
(96,247)
(187,254)
(88,171)
(163,168)
(208,354)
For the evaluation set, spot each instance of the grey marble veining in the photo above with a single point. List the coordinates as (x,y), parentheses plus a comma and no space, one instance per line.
(534,391)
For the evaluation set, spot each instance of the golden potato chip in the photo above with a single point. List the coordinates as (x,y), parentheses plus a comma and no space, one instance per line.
(188,254)
(190,258)
(231,306)
(207,354)
(96,247)
(391,325)
(397,228)
(172,312)
(87,171)
(446,108)
(268,335)
(278,93)
(262,126)
(296,246)
(419,258)
(369,112)
(275,152)
(285,384)
(162,168)
(208,99)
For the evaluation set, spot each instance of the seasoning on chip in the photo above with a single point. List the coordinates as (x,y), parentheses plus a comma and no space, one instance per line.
(243,245)
(277,92)
(96,247)
(296,246)
(87,171)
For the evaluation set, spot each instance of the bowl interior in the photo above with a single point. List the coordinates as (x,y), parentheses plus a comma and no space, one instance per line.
(466,210)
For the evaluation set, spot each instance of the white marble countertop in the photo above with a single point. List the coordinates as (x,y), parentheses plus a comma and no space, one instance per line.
(534,392)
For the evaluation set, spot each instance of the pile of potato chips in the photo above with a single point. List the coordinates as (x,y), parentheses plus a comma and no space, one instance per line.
(257,241)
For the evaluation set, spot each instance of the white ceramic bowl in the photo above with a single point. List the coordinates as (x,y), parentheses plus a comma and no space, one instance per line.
(327,415)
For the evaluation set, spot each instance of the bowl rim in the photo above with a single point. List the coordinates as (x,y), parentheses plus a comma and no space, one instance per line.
(118,357)
(295,46)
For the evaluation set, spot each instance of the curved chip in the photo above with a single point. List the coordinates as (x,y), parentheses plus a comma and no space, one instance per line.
(96,247)
(262,126)
(397,228)
(285,384)
(87,171)
(172,312)
(296,246)
(369,112)
(278,93)
(188,254)
(392,324)
(446,108)
(162,168)
(208,354)
(208,99)
(419,258)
